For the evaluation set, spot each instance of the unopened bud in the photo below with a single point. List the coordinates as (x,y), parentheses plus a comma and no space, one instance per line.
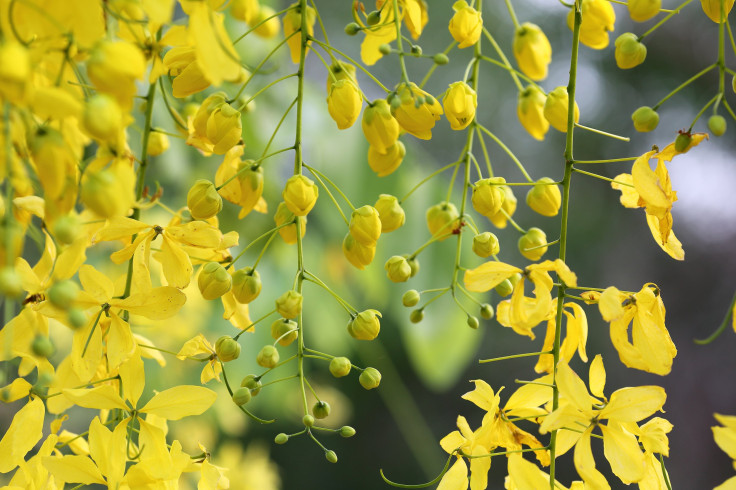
(268,356)
(373,18)
(347,431)
(77,318)
(504,288)
(308,420)
(63,293)
(203,200)
(227,348)
(390,213)
(284,331)
(42,346)
(66,229)
(253,383)
(321,410)
(241,396)
(10,284)
(370,378)
(473,322)
(544,197)
(331,456)
(532,245)
(384,49)
(645,119)
(289,304)
(486,244)
(398,269)
(416,316)
(352,29)
(281,438)
(410,298)
(246,285)
(717,125)
(365,225)
(214,281)
(440,59)
(486,311)
(366,325)
(340,366)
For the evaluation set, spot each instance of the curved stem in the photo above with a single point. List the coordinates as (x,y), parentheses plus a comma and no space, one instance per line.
(721,327)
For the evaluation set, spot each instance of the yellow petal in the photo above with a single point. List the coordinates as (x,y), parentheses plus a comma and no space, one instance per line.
(526,475)
(483,396)
(97,284)
(100,397)
(156,304)
(155,454)
(456,477)
(623,452)
(180,401)
(176,263)
(653,435)
(564,273)
(71,259)
(74,469)
(237,313)
(195,346)
(24,432)
(133,378)
(118,228)
(634,404)
(726,440)
(585,464)
(597,377)
(625,184)
(670,244)
(649,186)
(479,469)
(488,275)
(572,387)
(16,390)
(453,441)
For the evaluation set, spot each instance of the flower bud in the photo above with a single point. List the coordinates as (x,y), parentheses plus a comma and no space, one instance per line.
(158,143)
(321,410)
(366,325)
(508,208)
(284,331)
(292,23)
(460,102)
(390,213)
(341,70)
(629,51)
(253,383)
(289,304)
(246,285)
(308,420)
(203,200)
(103,118)
(486,311)
(598,20)
(281,438)
(224,128)
(300,195)
(373,18)
(352,29)
(530,111)
(344,103)
(365,225)
(410,298)
(241,396)
(380,128)
(398,269)
(386,163)
(347,431)
(416,316)
(466,25)
(488,196)
(682,142)
(101,194)
(473,322)
(357,254)
(645,119)
(63,293)
(42,346)
(268,357)
(442,219)
(533,239)
(532,51)
(643,10)
(227,349)
(504,288)
(440,59)
(416,116)
(114,66)
(544,197)
(66,229)
(214,281)
(556,106)
(15,70)
(485,244)
(340,366)
(414,264)
(717,125)
(244,10)
(331,456)
(370,378)
(204,111)
(271,27)
(288,233)
(76,317)
(384,49)
(712,9)
(11,285)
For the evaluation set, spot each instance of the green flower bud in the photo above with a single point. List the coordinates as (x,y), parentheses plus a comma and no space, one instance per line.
(473,322)
(440,59)
(321,410)
(373,18)
(515,279)
(370,378)
(390,213)
(384,49)
(308,420)
(645,119)
(63,293)
(682,142)
(42,346)
(398,269)
(544,197)
(203,200)
(352,29)
(227,348)
(532,240)
(485,244)
(410,298)
(285,331)
(486,311)
(268,356)
(365,225)
(77,318)
(416,50)
(224,128)
(253,383)
(717,125)
(241,396)
(103,118)
(366,325)
(504,288)
(488,196)
(629,51)
(10,283)
(66,229)
(281,438)
(331,456)
(246,285)
(414,264)
(340,366)
(214,281)
(346,431)
(289,304)
(417,315)
(442,219)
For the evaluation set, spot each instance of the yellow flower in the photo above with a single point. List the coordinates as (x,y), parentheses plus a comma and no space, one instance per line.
(629,51)
(532,50)
(556,107)
(415,114)
(488,196)
(386,163)
(224,128)
(712,9)
(365,225)
(181,62)
(197,346)
(270,27)
(244,10)
(725,437)
(380,127)
(460,102)
(344,103)
(384,32)
(15,71)
(203,200)
(341,70)
(544,197)
(466,25)
(530,111)
(507,210)
(300,194)
(113,67)
(643,10)
(366,325)
(598,21)
(24,432)
(390,212)
(357,254)
(533,244)
(292,25)
(244,182)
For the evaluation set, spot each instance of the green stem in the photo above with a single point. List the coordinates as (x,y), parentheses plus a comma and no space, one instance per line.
(604,133)
(705,107)
(316,172)
(507,150)
(269,232)
(722,327)
(426,179)
(610,160)
(665,19)
(685,84)
(263,62)
(512,14)
(245,104)
(601,177)
(399,47)
(505,60)
(329,48)
(248,167)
